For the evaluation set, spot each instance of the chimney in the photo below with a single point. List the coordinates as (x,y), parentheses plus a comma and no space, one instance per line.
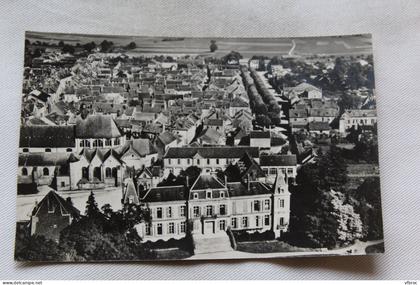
(188,181)
(225,180)
(249,183)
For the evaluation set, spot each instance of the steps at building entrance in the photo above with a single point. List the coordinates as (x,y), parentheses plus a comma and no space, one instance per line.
(211,243)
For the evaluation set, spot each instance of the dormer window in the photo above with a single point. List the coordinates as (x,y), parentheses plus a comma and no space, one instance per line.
(195,196)
(222,194)
(208,194)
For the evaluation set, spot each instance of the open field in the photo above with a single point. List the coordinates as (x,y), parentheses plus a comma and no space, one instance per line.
(342,45)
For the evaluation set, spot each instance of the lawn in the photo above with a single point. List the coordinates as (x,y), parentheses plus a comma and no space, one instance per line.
(171,253)
(270,246)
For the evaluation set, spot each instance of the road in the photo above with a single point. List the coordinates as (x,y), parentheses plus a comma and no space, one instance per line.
(356,249)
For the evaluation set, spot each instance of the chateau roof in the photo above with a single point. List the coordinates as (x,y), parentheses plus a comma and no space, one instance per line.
(165,194)
(206,181)
(241,189)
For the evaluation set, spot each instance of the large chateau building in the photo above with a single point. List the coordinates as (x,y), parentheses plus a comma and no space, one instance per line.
(210,206)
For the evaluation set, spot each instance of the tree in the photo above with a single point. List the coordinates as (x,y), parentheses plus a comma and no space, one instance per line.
(92,209)
(106,46)
(38,248)
(367,203)
(131,45)
(213,46)
(233,55)
(315,221)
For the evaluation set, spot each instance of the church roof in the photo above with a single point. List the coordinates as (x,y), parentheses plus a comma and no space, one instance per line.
(97,126)
(47,136)
(46,158)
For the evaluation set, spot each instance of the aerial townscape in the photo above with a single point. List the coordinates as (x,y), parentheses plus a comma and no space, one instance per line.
(147,148)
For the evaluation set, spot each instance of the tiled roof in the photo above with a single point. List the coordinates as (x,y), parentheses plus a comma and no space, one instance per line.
(212,152)
(259,135)
(165,193)
(361,113)
(47,136)
(206,181)
(46,158)
(241,189)
(97,126)
(278,160)
(55,200)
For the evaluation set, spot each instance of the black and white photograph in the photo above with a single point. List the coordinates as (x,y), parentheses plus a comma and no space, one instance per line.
(139,148)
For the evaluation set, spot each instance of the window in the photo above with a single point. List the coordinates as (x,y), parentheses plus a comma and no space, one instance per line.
(244,222)
(46,171)
(183,227)
(159,213)
(257,221)
(25,150)
(195,195)
(69,150)
(281,203)
(208,160)
(217,161)
(222,225)
(198,162)
(267,204)
(208,194)
(234,223)
(171,228)
(87,143)
(116,141)
(265,170)
(273,171)
(63,184)
(24,171)
(108,172)
(169,212)
(47,150)
(108,142)
(188,161)
(100,143)
(209,210)
(169,161)
(182,211)
(222,194)
(147,229)
(267,220)
(95,143)
(281,221)
(159,229)
(179,161)
(196,211)
(222,210)
(257,206)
